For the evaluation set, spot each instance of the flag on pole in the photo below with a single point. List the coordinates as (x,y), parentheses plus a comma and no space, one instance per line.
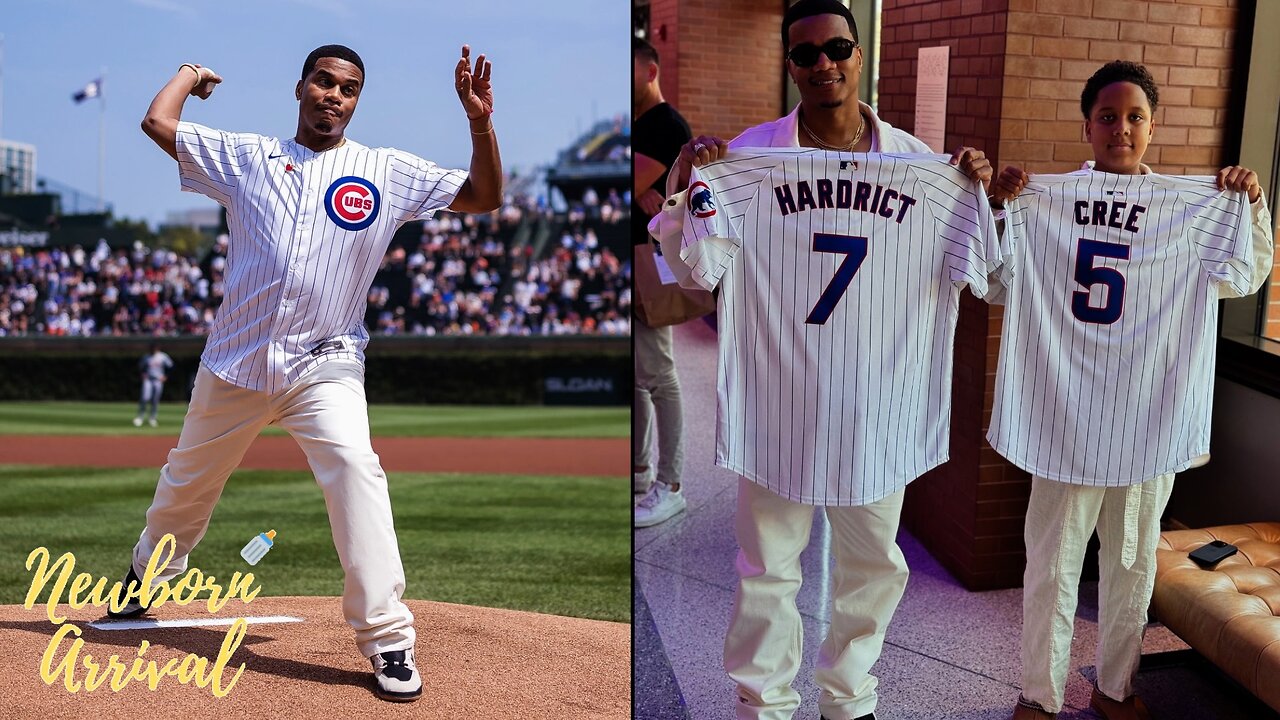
(92,90)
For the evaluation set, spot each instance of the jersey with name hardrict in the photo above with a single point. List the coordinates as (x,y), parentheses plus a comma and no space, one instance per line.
(308,232)
(1106,364)
(840,278)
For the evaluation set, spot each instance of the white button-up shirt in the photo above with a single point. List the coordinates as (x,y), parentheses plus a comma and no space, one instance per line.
(308,233)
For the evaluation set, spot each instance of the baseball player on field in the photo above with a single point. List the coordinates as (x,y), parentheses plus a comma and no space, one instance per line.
(839,288)
(310,219)
(1105,378)
(154,368)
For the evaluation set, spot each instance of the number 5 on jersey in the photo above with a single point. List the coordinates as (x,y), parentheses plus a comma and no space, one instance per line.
(855,250)
(1089,275)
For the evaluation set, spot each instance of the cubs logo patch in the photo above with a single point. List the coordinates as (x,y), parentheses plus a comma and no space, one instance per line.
(701,202)
(352,202)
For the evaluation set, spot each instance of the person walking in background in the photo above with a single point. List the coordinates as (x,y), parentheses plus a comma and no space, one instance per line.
(658,133)
(1105,380)
(310,220)
(154,368)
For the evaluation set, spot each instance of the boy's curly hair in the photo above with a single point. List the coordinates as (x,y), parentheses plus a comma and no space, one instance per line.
(1118,71)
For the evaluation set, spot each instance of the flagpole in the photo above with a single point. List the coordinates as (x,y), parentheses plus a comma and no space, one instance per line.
(102,137)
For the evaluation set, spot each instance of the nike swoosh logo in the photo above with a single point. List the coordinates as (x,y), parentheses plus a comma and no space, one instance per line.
(273,157)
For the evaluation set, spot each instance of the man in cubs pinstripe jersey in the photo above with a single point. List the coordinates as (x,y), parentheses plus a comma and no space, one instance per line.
(310,219)
(1105,375)
(839,276)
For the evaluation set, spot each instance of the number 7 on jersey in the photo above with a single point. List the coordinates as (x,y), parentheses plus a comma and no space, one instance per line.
(855,250)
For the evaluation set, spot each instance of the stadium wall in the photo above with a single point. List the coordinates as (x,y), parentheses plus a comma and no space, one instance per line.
(570,370)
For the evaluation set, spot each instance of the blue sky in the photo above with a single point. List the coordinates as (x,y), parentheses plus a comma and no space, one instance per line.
(557,66)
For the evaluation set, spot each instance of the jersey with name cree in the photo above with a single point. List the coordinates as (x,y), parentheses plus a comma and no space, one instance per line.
(1108,213)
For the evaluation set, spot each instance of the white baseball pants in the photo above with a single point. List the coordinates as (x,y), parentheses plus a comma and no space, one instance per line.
(763,648)
(326,413)
(1060,521)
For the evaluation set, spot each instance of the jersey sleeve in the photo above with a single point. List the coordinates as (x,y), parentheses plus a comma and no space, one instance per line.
(1011,229)
(1263,250)
(963,224)
(211,162)
(708,242)
(1222,234)
(417,188)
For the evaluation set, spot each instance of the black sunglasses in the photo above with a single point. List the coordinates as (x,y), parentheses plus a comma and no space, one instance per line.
(837,49)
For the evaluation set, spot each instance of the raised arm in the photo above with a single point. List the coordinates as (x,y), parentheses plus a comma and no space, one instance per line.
(482,190)
(161,121)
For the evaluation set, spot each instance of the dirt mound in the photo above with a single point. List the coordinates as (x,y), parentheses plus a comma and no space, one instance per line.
(475,662)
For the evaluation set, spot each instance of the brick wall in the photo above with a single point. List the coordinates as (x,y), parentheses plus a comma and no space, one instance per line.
(721,87)
(1053,46)
(1272,327)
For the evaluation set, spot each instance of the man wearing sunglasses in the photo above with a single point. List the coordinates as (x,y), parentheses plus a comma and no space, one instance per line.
(762,649)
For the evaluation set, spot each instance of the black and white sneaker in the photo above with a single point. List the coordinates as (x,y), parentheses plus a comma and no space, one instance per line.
(134,607)
(396,677)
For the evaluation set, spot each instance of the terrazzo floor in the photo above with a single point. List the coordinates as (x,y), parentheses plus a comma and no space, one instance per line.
(949,653)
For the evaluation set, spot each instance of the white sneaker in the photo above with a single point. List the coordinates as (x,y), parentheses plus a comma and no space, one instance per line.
(396,676)
(152,422)
(659,505)
(642,481)
(137,422)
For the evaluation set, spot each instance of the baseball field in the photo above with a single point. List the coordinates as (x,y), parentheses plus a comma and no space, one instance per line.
(514,530)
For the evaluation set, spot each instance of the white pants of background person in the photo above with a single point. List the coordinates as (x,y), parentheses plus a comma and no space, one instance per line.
(657,391)
(1060,520)
(326,413)
(763,648)
(152,388)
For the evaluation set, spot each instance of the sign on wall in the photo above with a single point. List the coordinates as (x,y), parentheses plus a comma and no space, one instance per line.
(932,65)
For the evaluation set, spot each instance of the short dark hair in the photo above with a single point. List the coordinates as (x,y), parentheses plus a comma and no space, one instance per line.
(342,52)
(1118,71)
(642,49)
(809,8)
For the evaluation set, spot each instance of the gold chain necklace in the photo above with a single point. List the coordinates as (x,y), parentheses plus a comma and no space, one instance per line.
(848,148)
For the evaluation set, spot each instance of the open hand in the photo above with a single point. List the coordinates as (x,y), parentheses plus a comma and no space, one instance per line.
(474,89)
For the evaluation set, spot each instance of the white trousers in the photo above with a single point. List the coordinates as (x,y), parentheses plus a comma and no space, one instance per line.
(657,390)
(763,648)
(1060,520)
(327,415)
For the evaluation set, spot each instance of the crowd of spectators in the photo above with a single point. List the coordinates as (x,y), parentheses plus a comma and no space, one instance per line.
(464,275)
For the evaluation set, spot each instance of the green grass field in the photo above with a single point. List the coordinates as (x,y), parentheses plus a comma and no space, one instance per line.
(83,418)
(551,545)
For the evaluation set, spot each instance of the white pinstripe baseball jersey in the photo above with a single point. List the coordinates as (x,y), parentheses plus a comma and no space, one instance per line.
(840,278)
(1105,375)
(308,232)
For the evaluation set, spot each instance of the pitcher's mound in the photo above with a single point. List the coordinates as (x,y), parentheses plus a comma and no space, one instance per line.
(475,663)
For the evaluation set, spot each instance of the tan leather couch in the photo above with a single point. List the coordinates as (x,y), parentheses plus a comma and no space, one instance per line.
(1230,614)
